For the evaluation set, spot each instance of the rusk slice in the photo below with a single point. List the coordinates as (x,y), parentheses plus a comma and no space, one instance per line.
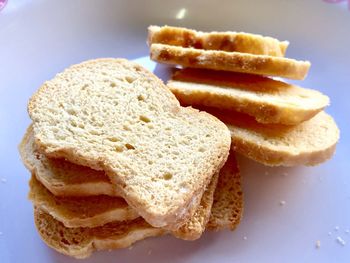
(225,41)
(87,211)
(113,115)
(227,209)
(266,99)
(60,177)
(230,61)
(82,241)
(91,211)
(309,143)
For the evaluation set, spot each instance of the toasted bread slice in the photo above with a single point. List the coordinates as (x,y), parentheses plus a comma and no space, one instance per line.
(227,209)
(92,211)
(230,61)
(225,41)
(309,143)
(113,115)
(60,177)
(268,100)
(87,211)
(82,241)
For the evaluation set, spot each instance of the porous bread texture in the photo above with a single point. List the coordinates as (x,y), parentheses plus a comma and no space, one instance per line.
(60,177)
(91,211)
(230,61)
(87,211)
(113,115)
(266,99)
(195,226)
(82,241)
(227,209)
(308,143)
(226,41)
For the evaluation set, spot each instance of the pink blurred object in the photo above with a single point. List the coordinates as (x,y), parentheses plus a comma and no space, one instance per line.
(338,1)
(2,4)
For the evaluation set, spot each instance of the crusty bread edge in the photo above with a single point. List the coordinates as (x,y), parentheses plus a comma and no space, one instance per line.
(84,189)
(270,157)
(185,232)
(127,213)
(230,61)
(153,30)
(100,244)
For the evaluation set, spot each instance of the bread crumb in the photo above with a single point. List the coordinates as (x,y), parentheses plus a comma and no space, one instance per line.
(347,231)
(318,244)
(341,241)
(336,228)
(329,233)
(245,238)
(149,252)
(285,174)
(282,203)
(3,180)
(131,247)
(266,173)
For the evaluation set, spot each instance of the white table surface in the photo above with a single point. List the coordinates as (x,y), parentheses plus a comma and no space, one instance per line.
(40,38)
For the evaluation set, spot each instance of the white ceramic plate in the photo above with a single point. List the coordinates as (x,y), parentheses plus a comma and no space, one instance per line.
(40,38)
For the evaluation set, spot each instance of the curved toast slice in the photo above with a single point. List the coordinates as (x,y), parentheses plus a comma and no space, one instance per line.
(113,115)
(230,61)
(60,177)
(87,211)
(268,100)
(225,41)
(309,143)
(82,241)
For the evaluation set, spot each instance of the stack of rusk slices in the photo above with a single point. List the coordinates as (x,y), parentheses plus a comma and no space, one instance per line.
(115,159)
(225,74)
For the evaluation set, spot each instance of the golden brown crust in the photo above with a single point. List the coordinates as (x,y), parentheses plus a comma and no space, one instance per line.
(89,211)
(61,177)
(225,41)
(81,242)
(195,226)
(230,61)
(227,209)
